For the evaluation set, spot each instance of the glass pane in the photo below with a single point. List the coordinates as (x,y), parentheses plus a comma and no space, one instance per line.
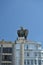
(31,62)
(39,62)
(7,57)
(27,62)
(17,53)
(35,62)
(17,46)
(6,64)
(7,50)
(35,54)
(26,46)
(24,62)
(27,53)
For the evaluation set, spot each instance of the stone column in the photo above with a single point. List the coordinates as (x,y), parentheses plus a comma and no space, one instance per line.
(37,58)
(14,55)
(1,54)
(22,54)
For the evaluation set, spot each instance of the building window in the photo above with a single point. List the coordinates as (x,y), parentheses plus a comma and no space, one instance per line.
(24,62)
(35,62)
(42,60)
(35,53)
(31,62)
(17,46)
(26,46)
(27,53)
(42,54)
(39,54)
(39,62)
(27,62)
(6,64)
(7,50)
(7,58)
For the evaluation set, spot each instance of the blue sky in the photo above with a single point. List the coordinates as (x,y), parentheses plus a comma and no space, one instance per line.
(17,13)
